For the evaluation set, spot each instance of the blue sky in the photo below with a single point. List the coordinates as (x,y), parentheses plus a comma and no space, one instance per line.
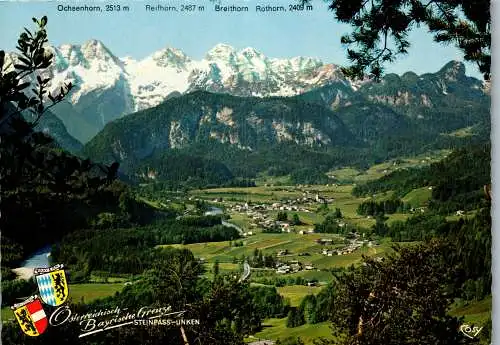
(139,33)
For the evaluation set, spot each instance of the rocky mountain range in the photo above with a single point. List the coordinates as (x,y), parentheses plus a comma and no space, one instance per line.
(251,134)
(108,87)
(253,103)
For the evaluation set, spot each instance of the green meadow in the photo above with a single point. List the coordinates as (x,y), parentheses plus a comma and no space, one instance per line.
(274,329)
(295,293)
(475,313)
(89,292)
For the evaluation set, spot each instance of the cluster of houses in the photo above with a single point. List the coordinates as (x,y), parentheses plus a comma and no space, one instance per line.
(306,199)
(354,244)
(257,213)
(343,251)
(292,267)
(305,232)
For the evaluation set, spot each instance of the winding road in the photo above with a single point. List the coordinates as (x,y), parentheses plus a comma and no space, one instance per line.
(246,267)
(215,211)
(246,272)
(231,225)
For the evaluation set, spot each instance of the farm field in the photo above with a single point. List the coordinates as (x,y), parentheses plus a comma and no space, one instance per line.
(7,314)
(475,312)
(295,244)
(295,293)
(274,329)
(418,197)
(351,175)
(89,292)
(267,243)
(340,197)
(303,248)
(270,194)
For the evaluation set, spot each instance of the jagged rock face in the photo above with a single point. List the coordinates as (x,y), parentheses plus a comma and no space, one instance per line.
(416,95)
(398,115)
(203,118)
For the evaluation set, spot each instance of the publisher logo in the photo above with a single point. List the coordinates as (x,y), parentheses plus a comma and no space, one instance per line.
(470,331)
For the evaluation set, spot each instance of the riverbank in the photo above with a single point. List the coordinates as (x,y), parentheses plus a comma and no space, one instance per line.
(216,211)
(23,272)
(40,258)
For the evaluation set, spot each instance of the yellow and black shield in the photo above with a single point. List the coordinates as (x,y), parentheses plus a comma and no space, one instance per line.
(31,316)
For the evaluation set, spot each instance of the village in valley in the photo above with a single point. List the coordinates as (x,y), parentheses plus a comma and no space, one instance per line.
(297,237)
(264,217)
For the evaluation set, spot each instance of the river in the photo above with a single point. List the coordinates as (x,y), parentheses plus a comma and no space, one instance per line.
(40,258)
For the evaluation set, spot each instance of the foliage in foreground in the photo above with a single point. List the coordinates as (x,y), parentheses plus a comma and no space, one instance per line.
(403,299)
(46,192)
(381,28)
(227,309)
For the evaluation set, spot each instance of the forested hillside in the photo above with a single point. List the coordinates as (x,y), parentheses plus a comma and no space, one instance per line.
(251,135)
(457,182)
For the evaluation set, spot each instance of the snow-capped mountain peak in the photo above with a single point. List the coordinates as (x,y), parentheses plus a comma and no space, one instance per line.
(128,60)
(95,49)
(220,51)
(131,85)
(85,53)
(251,53)
(170,57)
(91,67)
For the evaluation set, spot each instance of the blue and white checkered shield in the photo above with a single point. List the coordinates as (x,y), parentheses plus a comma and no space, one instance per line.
(52,285)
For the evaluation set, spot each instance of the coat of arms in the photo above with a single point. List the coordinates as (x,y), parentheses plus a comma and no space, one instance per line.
(31,316)
(52,284)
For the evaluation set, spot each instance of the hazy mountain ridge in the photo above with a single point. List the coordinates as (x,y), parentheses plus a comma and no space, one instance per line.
(52,125)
